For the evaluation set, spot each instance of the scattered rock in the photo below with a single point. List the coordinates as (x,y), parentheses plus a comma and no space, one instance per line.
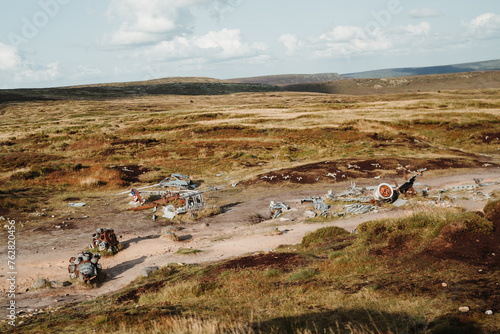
(171,228)
(170,235)
(56,284)
(489,312)
(309,214)
(444,285)
(274,231)
(40,283)
(464,309)
(148,271)
(400,202)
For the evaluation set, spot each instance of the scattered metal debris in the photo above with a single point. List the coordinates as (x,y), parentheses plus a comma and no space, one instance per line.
(385,193)
(308,199)
(462,187)
(324,213)
(169,212)
(104,239)
(353,194)
(277,209)
(320,205)
(358,208)
(85,266)
(477,195)
(174,182)
(76,205)
(178,180)
(175,197)
(317,202)
(188,201)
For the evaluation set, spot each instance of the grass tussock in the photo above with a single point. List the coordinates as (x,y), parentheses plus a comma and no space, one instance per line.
(322,235)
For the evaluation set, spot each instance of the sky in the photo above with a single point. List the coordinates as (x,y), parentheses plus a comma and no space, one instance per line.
(51,43)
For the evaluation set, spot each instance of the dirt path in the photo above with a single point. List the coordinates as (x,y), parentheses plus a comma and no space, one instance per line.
(45,253)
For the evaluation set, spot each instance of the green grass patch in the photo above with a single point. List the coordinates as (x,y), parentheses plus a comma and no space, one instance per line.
(187,251)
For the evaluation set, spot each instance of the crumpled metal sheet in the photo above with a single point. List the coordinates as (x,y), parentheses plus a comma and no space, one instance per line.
(358,208)
(76,205)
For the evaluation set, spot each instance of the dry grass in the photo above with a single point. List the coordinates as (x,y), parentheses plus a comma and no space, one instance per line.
(241,134)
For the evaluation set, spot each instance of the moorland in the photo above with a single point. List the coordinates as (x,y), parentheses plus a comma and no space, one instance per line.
(405,269)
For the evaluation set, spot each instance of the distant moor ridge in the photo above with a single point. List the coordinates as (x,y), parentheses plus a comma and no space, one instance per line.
(329,83)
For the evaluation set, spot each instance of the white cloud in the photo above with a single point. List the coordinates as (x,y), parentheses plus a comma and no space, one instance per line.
(33,73)
(215,45)
(344,34)
(424,13)
(152,21)
(291,42)
(422,28)
(351,40)
(14,68)
(220,7)
(484,26)
(84,71)
(9,57)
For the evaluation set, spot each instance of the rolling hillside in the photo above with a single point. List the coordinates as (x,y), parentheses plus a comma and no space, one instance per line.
(318,83)
(490,65)
(135,89)
(290,79)
(423,83)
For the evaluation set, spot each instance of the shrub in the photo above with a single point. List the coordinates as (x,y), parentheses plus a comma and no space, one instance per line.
(322,235)
(492,211)
(303,275)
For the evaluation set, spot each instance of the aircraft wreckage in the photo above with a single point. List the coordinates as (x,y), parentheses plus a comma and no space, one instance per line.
(176,194)
(386,193)
(105,240)
(85,266)
(383,193)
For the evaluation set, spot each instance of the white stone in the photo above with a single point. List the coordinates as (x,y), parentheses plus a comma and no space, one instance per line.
(309,214)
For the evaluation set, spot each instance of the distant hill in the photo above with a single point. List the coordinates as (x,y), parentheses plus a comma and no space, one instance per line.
(422,83)
(161,81)
(290,79)
(490,65)
(134,89)
(330,83)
